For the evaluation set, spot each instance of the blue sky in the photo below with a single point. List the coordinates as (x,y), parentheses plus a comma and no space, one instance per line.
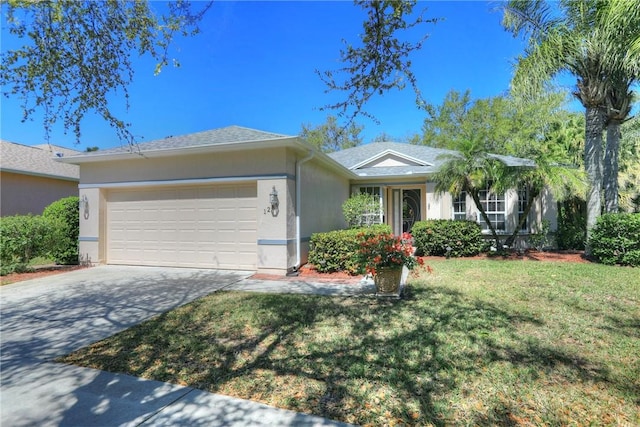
(253,65)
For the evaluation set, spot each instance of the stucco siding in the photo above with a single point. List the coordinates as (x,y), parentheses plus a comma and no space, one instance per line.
(23,194)
(323,193)
(438,204)
(213,165)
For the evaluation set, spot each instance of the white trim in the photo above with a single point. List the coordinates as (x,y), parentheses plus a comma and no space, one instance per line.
(233,179)
(393,152)
(299,163)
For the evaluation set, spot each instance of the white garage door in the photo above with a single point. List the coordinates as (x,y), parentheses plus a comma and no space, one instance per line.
(204,226)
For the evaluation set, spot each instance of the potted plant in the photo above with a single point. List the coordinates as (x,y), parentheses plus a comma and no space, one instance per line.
(384,255)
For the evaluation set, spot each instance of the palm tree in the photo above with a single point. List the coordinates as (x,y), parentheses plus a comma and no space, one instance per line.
(619,101)
(629,179)
(585,39)
(624,17)
(470,170)
(560,180)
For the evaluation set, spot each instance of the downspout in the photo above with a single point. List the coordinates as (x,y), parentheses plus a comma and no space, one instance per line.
(298,207)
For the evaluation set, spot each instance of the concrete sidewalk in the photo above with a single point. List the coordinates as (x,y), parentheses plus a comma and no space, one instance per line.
(49,317)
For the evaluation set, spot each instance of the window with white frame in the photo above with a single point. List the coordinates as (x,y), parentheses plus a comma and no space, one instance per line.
(460,206)
(377,216)
(494,205)
(523,195)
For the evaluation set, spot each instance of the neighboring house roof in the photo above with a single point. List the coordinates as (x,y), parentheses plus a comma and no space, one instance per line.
(394,159)
(37,161)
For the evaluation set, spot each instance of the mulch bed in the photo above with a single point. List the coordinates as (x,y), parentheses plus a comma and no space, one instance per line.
(561,256)
(42,271)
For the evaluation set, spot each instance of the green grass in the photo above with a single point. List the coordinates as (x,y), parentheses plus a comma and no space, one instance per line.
(478,342)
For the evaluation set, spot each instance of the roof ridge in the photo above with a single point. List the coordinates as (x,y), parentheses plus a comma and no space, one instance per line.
(256,130)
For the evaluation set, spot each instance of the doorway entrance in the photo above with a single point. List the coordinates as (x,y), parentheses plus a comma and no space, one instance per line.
(407,208)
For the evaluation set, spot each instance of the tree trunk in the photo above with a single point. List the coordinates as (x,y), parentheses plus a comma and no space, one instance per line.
(531,197)
(610,167)
(594,126)
(483,214)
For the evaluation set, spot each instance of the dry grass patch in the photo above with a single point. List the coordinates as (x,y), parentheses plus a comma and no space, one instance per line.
(476,343)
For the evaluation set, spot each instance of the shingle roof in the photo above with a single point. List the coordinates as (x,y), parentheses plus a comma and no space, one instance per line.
(37,160)
(432,158)
(227,135)
(54,149)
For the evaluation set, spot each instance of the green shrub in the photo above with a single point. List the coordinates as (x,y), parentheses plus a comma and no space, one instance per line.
(361,210)
(442,237)
(64,214)
(338,250)
(22,238)
(572,224)
(615,239)
(542,239)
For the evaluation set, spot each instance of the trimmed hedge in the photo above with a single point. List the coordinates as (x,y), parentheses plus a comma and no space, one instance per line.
(338,250)
(65,214)
(433,237)
(22,238)
(615,239)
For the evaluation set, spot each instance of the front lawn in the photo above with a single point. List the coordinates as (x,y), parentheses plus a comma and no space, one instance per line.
(477,342)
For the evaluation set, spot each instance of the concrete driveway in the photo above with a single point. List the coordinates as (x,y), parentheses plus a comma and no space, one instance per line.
(46,318)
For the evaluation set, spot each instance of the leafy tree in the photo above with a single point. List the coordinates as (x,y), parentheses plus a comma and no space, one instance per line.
(407,139)
(383,137)
(445,123)
(566,132)
(381,62)
(77,53)
(330,136)
(590,39)
(503,124)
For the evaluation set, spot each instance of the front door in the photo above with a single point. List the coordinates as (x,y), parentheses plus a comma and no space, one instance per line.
(407,210)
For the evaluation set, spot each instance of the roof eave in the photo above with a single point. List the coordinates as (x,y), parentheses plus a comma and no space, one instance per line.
(286,142)
(170,152)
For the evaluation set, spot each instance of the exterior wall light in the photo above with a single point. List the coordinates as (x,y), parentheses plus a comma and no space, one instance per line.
(274,202)
(84,206)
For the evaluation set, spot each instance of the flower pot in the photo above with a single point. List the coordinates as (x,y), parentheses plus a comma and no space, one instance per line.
(388,279)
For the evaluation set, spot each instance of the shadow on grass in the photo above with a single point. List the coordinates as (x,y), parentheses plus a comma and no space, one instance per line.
(359,360)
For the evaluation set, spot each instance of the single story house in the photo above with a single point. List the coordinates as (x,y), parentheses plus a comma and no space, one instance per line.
(30,178)
(238,198)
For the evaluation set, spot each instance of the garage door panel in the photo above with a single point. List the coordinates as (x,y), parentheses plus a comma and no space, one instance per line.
(212,227)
